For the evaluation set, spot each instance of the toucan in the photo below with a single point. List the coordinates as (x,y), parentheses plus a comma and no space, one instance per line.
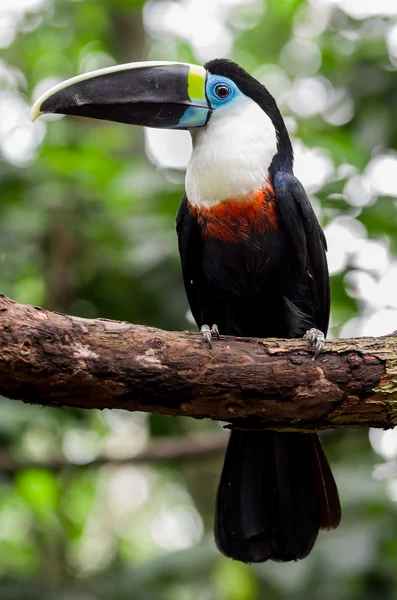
(254,264)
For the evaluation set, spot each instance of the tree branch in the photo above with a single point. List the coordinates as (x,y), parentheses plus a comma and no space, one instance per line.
(179,447)
(58,360)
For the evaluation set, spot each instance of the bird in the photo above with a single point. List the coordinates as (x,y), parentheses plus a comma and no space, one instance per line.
(254,263)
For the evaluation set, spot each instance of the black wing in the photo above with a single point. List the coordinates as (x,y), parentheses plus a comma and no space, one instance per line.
(190,250)
(308,241)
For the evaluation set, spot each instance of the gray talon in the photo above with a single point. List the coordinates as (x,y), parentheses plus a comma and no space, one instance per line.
(209,332)
(315,339)
(206,331)
(215,331)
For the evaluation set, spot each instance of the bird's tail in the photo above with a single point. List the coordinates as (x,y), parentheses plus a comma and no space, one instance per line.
(276,491)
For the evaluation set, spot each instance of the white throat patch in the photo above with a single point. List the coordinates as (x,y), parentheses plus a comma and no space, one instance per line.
(231,156)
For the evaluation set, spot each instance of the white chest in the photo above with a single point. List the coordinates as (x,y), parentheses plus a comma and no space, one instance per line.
(231,156)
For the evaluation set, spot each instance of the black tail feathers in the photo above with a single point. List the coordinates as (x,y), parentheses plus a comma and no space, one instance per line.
(276,491)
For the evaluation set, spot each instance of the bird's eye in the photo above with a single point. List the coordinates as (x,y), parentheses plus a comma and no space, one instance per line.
(222,91)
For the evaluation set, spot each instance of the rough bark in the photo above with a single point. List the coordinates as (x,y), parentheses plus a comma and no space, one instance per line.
(58,360)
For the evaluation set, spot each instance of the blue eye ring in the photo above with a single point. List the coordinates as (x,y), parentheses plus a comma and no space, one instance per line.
(222,91)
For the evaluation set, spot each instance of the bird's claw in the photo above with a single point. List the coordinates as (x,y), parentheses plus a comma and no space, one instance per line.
(215,331)
(315,339)
(208,333)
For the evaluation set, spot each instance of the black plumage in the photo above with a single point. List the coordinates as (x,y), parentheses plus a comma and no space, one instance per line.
(276,489)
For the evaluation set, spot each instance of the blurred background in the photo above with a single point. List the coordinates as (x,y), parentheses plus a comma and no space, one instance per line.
(87,227)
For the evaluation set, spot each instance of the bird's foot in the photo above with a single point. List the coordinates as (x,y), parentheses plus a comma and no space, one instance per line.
(315,339)
(208,332)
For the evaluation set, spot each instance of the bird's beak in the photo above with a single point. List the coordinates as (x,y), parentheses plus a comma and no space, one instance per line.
(154,94)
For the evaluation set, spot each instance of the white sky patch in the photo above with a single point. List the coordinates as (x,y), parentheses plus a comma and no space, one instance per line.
(19,138)
(12,106)
(386,472)
(81,446)
(391,39)
(392,489)
(7,29)
(308,96)
(388,287)
(91,61)
(361,9)
(128,489)
(358,191)
(128,435)
(375,293)
(362,285)
(311,21)
(168,149)
(248,14)
(351,328)
(18,6)
(345,236)
(237,3)
(291,125)
(312,166)
(382,174)
(177,528)
(345,170)
(38,444)
(11,78)
(384,442)
(205,29)
(382,322)
(301,57)
(276,80)
(11,14)
(339,109)
(373,256)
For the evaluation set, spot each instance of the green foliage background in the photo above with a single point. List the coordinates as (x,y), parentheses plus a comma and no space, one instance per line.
(87,227)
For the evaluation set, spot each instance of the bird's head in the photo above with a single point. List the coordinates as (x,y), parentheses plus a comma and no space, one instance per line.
(237,129)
